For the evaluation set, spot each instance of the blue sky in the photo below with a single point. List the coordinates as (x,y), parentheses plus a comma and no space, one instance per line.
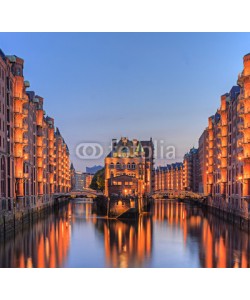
(99,86)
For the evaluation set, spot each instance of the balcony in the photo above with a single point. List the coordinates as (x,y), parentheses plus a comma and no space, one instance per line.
(247,160)
(246,141)
(247,111)
(18,140)
(18,125)
(18,111)
(23,99)
(18,153)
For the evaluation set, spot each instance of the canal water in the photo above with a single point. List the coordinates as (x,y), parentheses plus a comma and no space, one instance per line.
(172,235)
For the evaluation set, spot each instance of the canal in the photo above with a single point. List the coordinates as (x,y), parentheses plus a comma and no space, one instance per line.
(172,235)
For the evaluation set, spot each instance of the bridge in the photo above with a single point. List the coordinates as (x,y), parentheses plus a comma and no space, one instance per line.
(176,194)
(85,193)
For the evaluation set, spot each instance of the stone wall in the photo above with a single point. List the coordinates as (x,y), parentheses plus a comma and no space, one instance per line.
(10,222)
(118,206)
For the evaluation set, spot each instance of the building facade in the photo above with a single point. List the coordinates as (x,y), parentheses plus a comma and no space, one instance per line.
(228,138)
(79,182)
(6,134)
(87,179)
(169,177)
(203,164)
(191,171)
(72,177)
(129,168)
(34,157)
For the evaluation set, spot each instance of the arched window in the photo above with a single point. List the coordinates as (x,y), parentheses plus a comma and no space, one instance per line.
(128,166)
(3,177)
(111,166)
(118,166)
(133,166)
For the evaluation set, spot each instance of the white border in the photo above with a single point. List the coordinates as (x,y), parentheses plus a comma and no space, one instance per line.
(121,15)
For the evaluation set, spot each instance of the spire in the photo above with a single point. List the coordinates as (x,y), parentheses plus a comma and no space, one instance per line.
(58,132)
(139,148)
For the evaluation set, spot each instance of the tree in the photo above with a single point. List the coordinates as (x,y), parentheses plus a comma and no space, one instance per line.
(98,181)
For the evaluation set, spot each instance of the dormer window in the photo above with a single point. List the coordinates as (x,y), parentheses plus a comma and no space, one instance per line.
(125,151)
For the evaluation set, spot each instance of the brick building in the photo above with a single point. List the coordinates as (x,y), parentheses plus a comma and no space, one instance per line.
(169,177)
(191,171)
(228,138)
(34,158)
(129,168)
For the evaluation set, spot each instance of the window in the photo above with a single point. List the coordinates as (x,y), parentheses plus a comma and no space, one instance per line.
(3,177)
(125,151)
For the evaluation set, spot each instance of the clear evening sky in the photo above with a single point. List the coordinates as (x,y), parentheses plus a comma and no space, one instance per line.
(99,86)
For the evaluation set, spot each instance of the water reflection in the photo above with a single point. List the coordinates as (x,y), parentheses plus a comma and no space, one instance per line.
(220,244)
(46,244)
(127,243)
(172,235)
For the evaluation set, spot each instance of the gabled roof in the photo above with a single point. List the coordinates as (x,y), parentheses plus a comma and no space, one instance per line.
(2,55)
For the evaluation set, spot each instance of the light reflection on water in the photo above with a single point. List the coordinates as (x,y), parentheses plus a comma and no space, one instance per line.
(172,235)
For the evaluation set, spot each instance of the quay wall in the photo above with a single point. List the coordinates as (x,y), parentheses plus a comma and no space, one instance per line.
(240,220)
(15,220)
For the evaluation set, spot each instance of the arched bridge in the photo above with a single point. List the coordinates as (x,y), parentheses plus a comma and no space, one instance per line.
(85,193)
(176,194)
